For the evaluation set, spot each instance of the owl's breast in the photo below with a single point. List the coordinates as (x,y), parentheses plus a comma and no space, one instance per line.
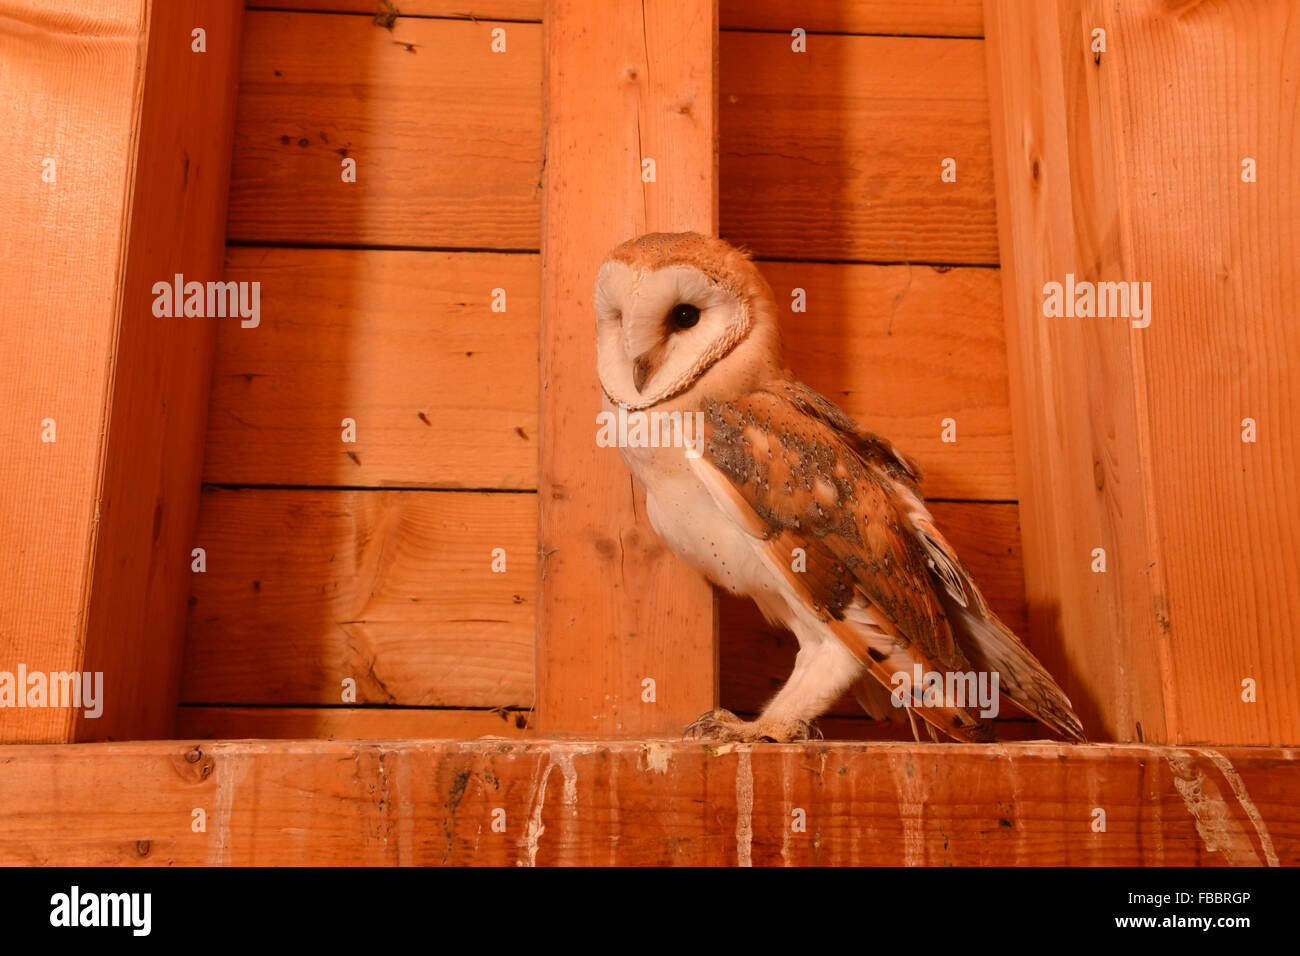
(686,518)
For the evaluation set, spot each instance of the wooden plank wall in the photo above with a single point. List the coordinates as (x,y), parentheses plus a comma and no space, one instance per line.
(406,302)
(829,172)
(117,179)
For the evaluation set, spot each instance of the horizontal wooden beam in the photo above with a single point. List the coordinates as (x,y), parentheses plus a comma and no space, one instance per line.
(240,722)
(505,802)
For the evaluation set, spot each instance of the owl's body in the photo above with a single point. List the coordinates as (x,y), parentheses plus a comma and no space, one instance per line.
(775,494)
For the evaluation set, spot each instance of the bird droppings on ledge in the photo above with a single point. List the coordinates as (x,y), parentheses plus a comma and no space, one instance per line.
(657,756)
(656,801)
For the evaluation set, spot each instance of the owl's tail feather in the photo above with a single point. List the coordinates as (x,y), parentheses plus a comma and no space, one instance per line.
(991,646)
(988,643)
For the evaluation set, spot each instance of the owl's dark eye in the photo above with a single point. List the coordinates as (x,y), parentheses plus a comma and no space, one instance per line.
(684,316)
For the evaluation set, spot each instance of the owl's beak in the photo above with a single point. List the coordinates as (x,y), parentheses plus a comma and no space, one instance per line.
(640,372)
(644,368)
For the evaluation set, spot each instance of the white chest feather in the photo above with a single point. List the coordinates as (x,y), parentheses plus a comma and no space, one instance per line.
(688,520)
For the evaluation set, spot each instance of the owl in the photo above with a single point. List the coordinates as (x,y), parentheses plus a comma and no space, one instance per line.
(772,492)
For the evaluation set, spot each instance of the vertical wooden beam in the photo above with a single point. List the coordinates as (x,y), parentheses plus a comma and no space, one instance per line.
(627,81)
(1111,167)
(1075,418)
(132,129)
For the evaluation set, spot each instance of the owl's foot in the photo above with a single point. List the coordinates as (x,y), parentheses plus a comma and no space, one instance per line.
(720,725)
(723,725)
(807,730)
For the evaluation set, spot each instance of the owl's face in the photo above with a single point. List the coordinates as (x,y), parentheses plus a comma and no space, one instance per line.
(670,308)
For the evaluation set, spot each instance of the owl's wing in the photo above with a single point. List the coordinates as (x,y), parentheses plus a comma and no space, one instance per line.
(835,510)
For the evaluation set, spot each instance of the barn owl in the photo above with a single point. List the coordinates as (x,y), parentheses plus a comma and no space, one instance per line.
(773,492)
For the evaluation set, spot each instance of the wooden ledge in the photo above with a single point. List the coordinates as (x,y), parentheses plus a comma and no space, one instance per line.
(507,802)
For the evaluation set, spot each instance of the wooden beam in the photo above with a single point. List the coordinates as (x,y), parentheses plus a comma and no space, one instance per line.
(1072,492)
(504,802)
(121,136)
(626,81)
(1129,436)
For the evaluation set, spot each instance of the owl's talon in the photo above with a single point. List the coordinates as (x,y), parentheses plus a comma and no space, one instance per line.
(807,730)
(717,724)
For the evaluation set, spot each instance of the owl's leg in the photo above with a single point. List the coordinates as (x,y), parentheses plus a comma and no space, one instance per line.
(823,671)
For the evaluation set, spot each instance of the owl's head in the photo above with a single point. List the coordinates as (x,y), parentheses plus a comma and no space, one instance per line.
(674,310)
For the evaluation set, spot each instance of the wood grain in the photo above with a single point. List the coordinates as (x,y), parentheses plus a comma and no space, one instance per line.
(1223,346)
(625,81)
(957,18)
(386,336)
(407,723)
(757,657)
(451,9)
(836,153)
(901,349)
(292,636)
(351,723)
(443,390)
(639,804)
(929,17)
(149,500)
(393,589)
(446,134)
(1130,438)
(57,335)
(96,524)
